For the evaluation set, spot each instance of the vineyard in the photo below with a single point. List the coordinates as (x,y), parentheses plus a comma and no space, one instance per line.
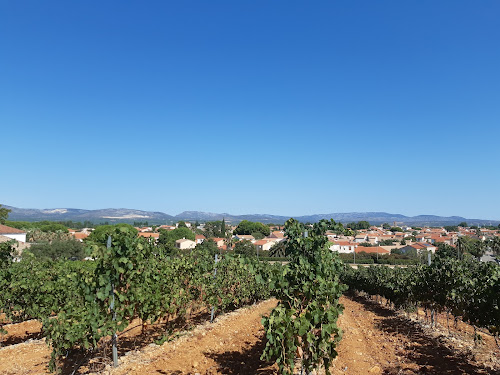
(465,289)
(82,306)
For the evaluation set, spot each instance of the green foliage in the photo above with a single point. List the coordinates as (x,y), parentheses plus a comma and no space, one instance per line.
(451,228)
(249,227)
(223,228)
(278,250)
(44,226)
(208,247)
(245,247)
(58,249)
(396,229)
(333,226)
(396,257)
(168,237)
(463,287)
(463,224)
(100,233)
(4,214)
(446,251)
(471,246)
(53,227)
(181,224)
(76,224)
(257,235)
(308,289)
(212,229)
(6,250)
(366,244)
(132,274)
(387,242)
(386,226)
(38,236)
(494,244)
(359,225)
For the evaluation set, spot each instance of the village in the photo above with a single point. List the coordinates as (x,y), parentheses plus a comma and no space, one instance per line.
(380,240)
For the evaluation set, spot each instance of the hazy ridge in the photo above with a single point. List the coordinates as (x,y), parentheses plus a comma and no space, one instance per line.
(113,215)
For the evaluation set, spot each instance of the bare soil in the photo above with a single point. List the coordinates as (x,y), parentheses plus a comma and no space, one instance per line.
(376,340)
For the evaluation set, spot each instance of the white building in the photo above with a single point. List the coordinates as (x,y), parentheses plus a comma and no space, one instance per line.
(15,234)
(343,247)
(185,244)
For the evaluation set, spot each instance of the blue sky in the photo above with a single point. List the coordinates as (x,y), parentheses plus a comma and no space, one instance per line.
(280,107)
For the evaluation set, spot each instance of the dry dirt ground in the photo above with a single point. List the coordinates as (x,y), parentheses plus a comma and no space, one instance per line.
(376,340)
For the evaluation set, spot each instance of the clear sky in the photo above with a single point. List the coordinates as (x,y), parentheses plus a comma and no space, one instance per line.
(279,107)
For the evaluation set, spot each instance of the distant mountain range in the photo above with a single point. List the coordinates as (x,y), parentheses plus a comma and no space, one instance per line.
(120,215)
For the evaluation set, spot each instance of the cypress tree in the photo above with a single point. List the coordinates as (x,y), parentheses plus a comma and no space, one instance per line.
(223,228)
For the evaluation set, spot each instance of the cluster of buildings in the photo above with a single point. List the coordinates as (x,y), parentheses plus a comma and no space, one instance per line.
(406,240)
(261,245)
(378,240)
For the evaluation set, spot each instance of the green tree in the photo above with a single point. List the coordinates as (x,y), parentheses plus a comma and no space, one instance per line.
(249,227)
(100,233)
(386,226)
(470,245)
(495,245)
(181,224)
(257,235)
(223,228)
(333,226)
(58,249)
(359,225)
(477,248)
(4,214)
(212,229)
(366,244)
(245,247)
(387,242)
(168,237)
(208,248)
(53,227)
(446,251)
(463,224)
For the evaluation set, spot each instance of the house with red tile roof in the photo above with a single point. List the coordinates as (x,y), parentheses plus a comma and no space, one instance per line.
(80,236)
(419,247)
(279,234)
(218,241)
(263,245)
(14,233)
(247,237)
(154,235)
(372,250)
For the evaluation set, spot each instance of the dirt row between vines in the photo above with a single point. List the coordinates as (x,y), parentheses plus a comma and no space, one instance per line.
(376,341)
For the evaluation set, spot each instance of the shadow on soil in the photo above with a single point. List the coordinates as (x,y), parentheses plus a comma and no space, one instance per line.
(83,362)
(246,362)
(429,353)
(12,340)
